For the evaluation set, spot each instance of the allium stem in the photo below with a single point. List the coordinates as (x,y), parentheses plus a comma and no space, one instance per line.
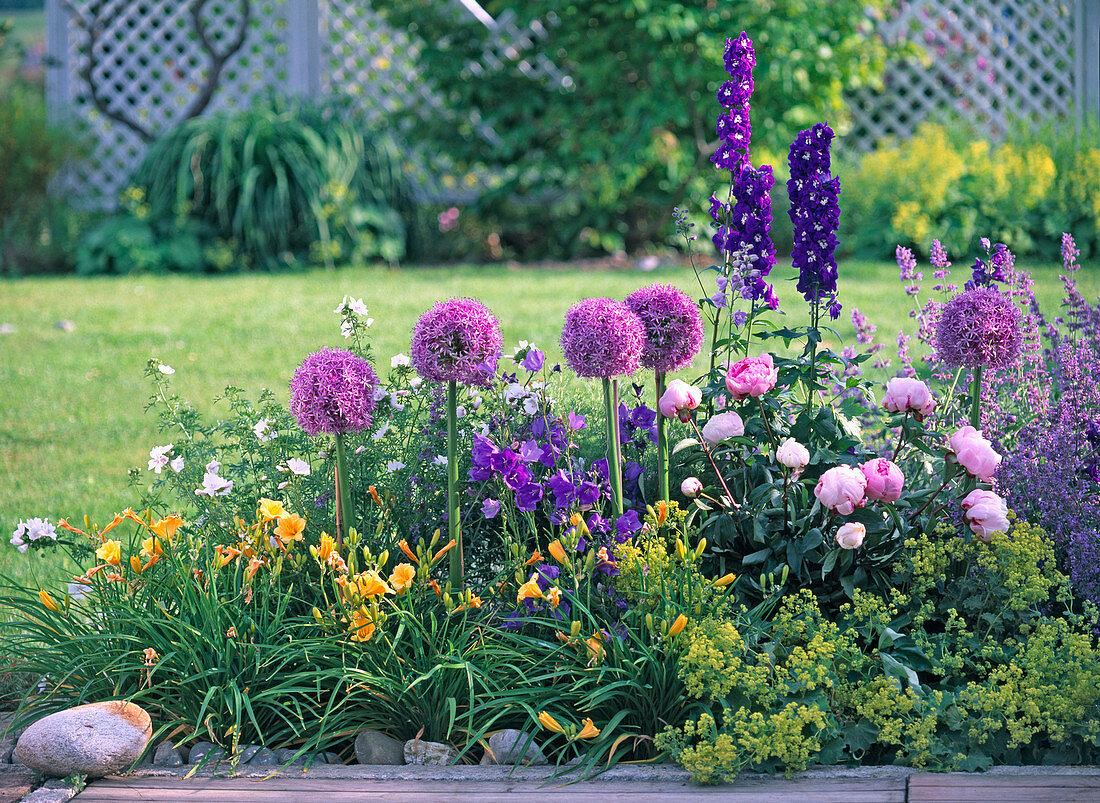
(614,466)
(976,398)
(343,492)
(453,531)
(662,444)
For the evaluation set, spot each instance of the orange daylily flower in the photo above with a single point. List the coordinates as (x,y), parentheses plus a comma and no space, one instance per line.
(135,564)
(662,512)
(553,595)
(678,625)
(362,626)
(536,558)
(402,577)
(270,510)
(166,527)
(151,547)
(434,586)
(603,558)
(450,545)
(556,550)
(588,730)
(117,520)
(151,656)
(374,495)
(290,528)
(325,547)
(595,647)
(529,590)
(475,601)
(226,555)
(63,524)
(47,601)
(253,567)
(725,580)
(550,723)
(129,513)
(110,552)
(369,584)
(231,632)
(403,544)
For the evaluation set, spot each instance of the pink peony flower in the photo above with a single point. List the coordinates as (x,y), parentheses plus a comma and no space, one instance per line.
(691,487)
(841,489)
(884,480)
(975,453)
(792,454)
(722,426)
(986,513)
(905,394)
(851,535)
(752,376)
(679,399)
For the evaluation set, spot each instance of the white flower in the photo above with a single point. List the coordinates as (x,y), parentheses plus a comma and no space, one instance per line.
(263,431)
(346,329)
(514,392)
(415,382)
(213,485)
(299,467)
(361,449)
(166,369)
(17,537)
(158,457)
(394,465)
(39,528)
(531,405)
(357,306)
(460,411)
(177,464)
(440,460)
(380,393)
(342,306)
(213,467)
(377,436)
(399,361)
(79,591)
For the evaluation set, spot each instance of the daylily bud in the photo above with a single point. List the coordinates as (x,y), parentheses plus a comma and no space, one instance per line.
(557,551)
(384,558)
(649,622)
(47,601)
(317,614)
(549,723)
(725,580)
(435,539)
(681,551)
(678,625)
(575,629)
(700,547)
(590,563)
(783,576)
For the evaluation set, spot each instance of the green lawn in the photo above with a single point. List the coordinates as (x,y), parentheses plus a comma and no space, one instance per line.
(29,26)
(72,417)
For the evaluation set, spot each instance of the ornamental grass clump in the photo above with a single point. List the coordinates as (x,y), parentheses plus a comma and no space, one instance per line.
(332,392)
(604,339)
(673,336)
(456,342)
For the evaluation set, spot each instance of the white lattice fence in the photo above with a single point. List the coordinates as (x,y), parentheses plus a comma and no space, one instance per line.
(990,62)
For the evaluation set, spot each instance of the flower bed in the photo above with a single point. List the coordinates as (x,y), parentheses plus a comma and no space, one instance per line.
(449,551)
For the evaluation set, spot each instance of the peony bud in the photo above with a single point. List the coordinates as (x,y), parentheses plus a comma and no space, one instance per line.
(691,487)
(752,376)
(851,535)
(792,454)
(679,399)
(884,480)
(841,489)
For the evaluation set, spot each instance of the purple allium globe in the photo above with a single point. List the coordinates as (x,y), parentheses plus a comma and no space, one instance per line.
(454,340)
(332,391)
(602,338)
(673,327)
(980,327)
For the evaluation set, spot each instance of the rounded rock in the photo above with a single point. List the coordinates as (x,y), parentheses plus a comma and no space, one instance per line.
(96,739)
(375,747)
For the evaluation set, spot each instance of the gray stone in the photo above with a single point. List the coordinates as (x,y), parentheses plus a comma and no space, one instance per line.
(7,747)
(287,754)
(263,758)
(431,753)
(326,757)
(95,740)
(167,755)
(246,752)
(52,791)
(375,747)
(512,747)
(207,751)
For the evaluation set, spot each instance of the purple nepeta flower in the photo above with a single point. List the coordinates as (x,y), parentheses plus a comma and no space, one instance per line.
(979,327)
(332,391)
(456,340)
(1070,253)
(602,338)
(815,214)
(673,327)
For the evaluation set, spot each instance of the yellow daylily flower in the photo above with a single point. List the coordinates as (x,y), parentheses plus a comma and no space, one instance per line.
(325,547)
(362,626)
(369,584)
(588,730)
(110,552)
(290,528)
(270,509)
(402,577)
(725,580)
(529,590)
(678,625)
(550,723)
(556,550)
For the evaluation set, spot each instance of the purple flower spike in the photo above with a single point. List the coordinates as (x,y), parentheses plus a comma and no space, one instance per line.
(602,338)
(979,327)
(454,340)
(332,391)
(673,327)
(815,215)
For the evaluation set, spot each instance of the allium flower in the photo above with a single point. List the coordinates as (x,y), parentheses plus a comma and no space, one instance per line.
(841,489)
(722,426)
(904,394)
(602,338)
(673,327)
(980,327)
(332,391)
(986,513)
(691,487)
(885,480)
(815,214)
(975,453)
(455,341)
(851,535)
(793,455)
(752,376)
(679,399)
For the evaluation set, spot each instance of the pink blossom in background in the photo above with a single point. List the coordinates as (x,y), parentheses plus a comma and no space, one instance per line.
(975,453)
(722,426)
(851,535)
(905,394)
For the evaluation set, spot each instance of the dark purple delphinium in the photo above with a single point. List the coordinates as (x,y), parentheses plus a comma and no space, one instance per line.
(673,327)
(332,392)
(455,341)
(602,338)
(734,126)
(979,328)
(815,214)
(996,267)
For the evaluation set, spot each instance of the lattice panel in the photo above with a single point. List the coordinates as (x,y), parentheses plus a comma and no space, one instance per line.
(135,69)
(990,62)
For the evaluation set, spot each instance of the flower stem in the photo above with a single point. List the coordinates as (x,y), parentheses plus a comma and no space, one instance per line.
(662,443)
(614,454)
(767,426)
(343,492)
(901,439)
(918,511)
(713,465)
(453,531)
(976,398)
(815,318)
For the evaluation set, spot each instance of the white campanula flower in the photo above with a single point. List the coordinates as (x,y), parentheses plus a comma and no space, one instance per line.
(166,369)
(394,465)
(177,464)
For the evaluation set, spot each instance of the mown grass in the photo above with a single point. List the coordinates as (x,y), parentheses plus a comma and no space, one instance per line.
(72,404)
(28,26)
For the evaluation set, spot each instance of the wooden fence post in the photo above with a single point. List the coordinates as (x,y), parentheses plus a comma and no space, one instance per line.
(303,42)
(1087,61)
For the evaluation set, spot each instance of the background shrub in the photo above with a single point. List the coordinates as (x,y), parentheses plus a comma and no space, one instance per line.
(272,186)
